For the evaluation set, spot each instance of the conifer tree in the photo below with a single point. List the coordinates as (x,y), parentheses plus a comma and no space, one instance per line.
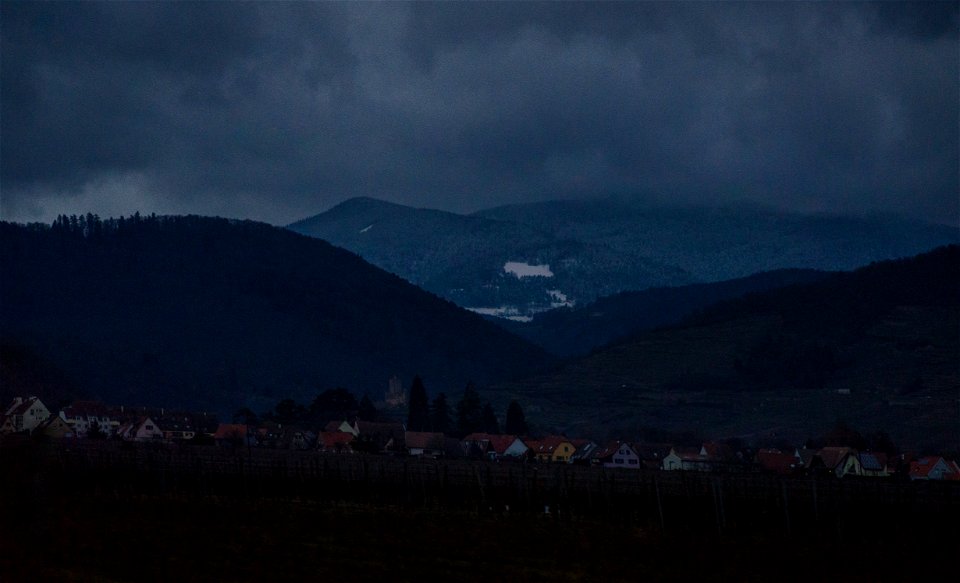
(289,411)
(516,422)
(367,410)
(488,420)
(469,412)
(418,418)
(440,415)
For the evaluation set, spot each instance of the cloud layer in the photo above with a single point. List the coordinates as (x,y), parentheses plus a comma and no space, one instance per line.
(277,111)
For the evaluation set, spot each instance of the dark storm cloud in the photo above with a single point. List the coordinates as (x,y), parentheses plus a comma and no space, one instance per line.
(276,111)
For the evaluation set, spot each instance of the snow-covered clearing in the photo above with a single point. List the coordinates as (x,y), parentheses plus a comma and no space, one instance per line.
(522,269)
(559,298)
(508,312)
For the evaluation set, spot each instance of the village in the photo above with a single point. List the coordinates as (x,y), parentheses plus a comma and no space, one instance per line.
(167,482)
(92,420)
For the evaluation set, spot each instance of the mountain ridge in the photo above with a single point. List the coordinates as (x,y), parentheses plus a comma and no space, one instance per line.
(599,247)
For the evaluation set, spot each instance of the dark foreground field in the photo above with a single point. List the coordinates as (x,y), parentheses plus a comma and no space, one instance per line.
(67,516)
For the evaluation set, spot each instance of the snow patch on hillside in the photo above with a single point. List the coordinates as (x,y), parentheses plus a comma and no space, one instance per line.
(365,229)
(560,299)
(522,269)
(506,312)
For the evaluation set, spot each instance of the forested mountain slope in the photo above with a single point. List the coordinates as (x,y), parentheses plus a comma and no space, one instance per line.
(715,243)
(464,258)
(576,331)
(520,260)
(876,347)
(205,312)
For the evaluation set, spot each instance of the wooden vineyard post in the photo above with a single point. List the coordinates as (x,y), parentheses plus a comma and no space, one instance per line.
(786,507)
(816,511)
(656,489)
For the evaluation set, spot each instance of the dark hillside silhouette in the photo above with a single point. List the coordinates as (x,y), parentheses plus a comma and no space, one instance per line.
(877,346)
(577,331)
(213,313)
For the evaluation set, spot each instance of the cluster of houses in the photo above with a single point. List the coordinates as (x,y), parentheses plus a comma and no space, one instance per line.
(90,419)
(93,419)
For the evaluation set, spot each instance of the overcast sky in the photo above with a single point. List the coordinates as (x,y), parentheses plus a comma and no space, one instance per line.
(278,111)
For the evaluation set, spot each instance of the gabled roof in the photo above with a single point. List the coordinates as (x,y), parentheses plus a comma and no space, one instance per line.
(489,441)
(21,407)
(548,444)
(333,426)
(578,443)
(923,466)
(134,426)
(584,451)
(607,450)
(874,462)
(806,456)
(501,443)
(832,456)
(52,421)
(144,421)
(715,451)
(533,445)
(953,471)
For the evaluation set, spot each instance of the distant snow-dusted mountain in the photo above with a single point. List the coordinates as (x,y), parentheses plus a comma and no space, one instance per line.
(515,261)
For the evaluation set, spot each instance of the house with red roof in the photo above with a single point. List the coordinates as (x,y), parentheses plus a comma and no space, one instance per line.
(934,468)
(424,443)
(23,415)
(335,442)
(508,446)
(344,426)
(370,436)
(494,446)
(777,462)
